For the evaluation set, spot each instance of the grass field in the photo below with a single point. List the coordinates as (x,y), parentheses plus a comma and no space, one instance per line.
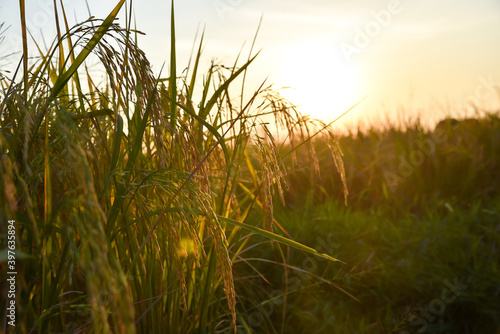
(138,208)
(420,256)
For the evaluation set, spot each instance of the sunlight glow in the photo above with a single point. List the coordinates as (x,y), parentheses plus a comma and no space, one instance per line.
(322,84)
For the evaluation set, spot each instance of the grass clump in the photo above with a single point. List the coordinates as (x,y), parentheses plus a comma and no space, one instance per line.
(130,197)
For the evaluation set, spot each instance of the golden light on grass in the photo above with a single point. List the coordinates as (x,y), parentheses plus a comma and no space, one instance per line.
(186,247)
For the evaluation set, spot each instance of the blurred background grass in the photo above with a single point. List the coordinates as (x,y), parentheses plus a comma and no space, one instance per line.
(402,241)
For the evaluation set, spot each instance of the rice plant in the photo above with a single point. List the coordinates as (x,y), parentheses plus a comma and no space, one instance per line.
(131,197)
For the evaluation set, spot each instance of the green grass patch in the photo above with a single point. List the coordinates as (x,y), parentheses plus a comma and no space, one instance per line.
(399,267)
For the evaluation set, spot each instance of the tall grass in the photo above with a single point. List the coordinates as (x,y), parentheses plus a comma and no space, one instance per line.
(131,197)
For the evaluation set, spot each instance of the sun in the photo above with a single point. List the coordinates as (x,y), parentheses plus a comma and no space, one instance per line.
(321,83)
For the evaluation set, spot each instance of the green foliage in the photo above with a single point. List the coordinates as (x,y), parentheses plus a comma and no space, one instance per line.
(402,245)
(397,265)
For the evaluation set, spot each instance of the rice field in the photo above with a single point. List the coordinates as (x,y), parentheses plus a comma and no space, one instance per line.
(167,204)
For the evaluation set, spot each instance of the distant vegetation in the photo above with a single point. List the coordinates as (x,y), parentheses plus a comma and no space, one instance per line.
(406,244)
(408,166)
(140,209)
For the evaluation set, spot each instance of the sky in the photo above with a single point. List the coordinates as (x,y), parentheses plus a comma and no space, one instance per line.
(430,58)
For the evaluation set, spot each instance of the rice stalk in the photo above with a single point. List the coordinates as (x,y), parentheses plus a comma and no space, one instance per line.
(130,190)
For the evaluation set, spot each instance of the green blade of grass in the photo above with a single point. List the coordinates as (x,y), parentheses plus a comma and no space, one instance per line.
(116,142)
(98,35)
(22,6)
(279,238)
(195,69)
(63,79)
(173,72)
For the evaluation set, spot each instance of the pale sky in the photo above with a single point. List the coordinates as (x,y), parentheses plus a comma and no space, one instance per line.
(416,56)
